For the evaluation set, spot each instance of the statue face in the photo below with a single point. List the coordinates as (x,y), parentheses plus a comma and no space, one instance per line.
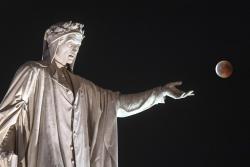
(67,49)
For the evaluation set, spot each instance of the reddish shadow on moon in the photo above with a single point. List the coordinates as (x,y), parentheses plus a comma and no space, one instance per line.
(224,69)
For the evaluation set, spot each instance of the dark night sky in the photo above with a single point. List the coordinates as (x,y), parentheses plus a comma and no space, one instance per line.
(132,47)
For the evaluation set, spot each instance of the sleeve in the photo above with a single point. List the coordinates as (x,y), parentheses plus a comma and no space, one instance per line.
(130,104)
(14,103)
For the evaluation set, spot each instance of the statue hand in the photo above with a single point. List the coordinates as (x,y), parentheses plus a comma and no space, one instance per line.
(171,91)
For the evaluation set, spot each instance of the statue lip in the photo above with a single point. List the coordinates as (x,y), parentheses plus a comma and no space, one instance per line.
(72,56)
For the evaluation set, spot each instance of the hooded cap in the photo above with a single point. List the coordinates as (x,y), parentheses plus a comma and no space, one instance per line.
(56,32)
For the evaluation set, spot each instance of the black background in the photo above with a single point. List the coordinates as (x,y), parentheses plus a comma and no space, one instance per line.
(135,46)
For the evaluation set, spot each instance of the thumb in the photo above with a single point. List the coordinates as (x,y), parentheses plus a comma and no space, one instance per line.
(177,83)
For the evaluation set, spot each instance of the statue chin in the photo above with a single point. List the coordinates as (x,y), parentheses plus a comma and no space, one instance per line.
(70,62)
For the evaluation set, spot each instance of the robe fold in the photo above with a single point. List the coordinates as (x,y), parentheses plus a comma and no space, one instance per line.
(43,122)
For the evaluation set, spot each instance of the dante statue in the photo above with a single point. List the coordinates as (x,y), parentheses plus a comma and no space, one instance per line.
(51,117)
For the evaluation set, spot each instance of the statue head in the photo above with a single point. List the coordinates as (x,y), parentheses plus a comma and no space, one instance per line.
(62,41)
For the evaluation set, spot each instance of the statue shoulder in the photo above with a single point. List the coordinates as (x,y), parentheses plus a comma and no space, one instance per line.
(87,84)
(35,65)
(83,81)
(86,81)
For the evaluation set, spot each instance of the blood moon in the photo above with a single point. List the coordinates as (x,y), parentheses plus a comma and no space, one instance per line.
(224,69)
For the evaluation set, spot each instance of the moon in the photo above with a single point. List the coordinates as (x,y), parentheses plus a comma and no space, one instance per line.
(224,69)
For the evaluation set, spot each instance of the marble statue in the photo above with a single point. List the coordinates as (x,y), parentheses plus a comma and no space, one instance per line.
(51,117)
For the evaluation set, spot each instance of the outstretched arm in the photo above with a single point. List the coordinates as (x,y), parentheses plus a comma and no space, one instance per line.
(131,104)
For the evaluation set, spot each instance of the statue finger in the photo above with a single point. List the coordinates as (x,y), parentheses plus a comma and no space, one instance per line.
(183,95)
(190,93)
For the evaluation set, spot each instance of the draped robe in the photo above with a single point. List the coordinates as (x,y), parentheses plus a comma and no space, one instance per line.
(45,123)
